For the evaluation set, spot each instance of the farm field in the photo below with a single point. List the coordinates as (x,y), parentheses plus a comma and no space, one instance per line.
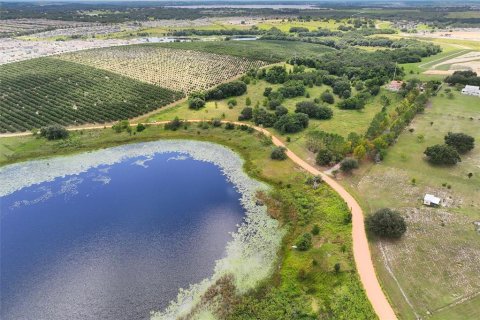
(265,50)
(441,243)
(46,91)
(179,70)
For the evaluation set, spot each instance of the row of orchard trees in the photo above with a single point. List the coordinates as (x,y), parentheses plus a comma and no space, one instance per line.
(46,91)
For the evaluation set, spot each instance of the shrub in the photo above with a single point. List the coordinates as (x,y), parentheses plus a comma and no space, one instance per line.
(262,117)
(226,90)
(304,242)
(121,126)
(386,223)
(336,267)
(460,141)
(232,102)
(359,152)
(274,103)
(196,103)
(276,74)
(248,101)
(174,124)
(267,91)
(280,111)
(141,127)
(327,97)
(279,153)
(229,126)
(54,132)
(292,88)
(313,110)
(291,123)
(324,157)
(442,154)
(246,114)
(353,103)
(315,230)
(348,164)
(342,88)
(216,123)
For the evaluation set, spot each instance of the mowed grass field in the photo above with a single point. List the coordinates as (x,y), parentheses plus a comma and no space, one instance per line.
(436,262)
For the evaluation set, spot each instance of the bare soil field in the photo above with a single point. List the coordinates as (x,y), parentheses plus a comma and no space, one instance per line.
(459,34)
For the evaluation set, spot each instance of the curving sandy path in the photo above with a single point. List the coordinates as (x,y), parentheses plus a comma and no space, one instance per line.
(361,249)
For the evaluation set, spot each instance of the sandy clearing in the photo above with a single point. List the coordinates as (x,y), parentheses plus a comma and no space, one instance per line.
(361,249)
(473,35)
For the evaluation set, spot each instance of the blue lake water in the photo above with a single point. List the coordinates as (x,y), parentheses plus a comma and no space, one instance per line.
(116,241)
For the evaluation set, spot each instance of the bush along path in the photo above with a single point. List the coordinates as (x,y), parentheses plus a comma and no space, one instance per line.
(361,250)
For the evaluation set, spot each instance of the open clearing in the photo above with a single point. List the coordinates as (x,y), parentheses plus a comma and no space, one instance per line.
(179,70)
(437,261)
(468,61)
(467,34)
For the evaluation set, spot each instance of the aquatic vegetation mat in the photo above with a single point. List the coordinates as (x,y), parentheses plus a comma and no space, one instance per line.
(250,255)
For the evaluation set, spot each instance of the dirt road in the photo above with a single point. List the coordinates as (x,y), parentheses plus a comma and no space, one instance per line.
(361,250)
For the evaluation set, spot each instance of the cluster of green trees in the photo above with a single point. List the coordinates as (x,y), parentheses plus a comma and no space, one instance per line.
(226,90)
(314,110)
(298,29)
(411,49)
(291,123)
(463,77)
(449,153)
(54,132)
(329,147)
(197,100)
(385,127)
(375,68)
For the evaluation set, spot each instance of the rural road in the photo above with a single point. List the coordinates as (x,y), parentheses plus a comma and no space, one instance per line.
(361,250)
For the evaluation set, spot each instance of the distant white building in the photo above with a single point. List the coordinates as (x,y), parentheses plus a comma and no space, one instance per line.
(431,200)
(471,90)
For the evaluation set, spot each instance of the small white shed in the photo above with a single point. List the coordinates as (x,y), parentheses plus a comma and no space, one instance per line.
(471,90)
(431,200)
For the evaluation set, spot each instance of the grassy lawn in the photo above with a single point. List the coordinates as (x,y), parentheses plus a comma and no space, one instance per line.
(440,242)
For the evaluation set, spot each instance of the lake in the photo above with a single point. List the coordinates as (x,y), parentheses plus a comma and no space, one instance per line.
(113,234)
